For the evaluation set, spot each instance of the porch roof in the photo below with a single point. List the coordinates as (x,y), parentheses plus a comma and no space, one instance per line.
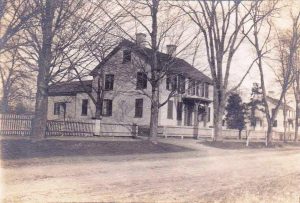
(191,98)
(70,88)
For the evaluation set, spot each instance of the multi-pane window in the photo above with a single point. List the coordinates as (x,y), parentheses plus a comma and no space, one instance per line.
(192,87)
(84,107)
(179,111)
(275,124)
(206,90)
(107,107)
(273,112)
(198,89)
(170,110)
(139,108)
(202,89)
(171,82)
(109,82)
(58,106)
(181,84)
(141,80)
(126,56)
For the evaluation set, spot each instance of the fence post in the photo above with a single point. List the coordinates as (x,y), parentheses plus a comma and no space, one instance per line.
(97,129)
(134,130)
(248,138)
(165,132)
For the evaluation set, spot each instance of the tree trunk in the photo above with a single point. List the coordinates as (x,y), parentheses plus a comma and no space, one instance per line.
(4,104)
(240,134)
(154,74)
(269,135)
(41,108)
(154,113)
(99,98)
(44,64)
(217,125)
(296,122)
(284,119)
(218,114)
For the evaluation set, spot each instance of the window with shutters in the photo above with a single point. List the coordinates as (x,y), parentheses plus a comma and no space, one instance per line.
(58,106)
(202,85)
(109,82)
(275,124)
(170,110)
(181,84)
(198,89)
(139,108)
(107,107)
(141,80)
(206,90)
(126,56)
(179,111)
(84,107)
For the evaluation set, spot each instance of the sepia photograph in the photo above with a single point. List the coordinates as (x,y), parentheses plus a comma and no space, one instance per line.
(166,101)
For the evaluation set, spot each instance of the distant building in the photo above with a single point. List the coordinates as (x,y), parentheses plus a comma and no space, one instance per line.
(125,84)
(261,122)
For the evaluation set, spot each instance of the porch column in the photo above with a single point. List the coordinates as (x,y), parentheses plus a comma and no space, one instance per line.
(196,122)
(205,116)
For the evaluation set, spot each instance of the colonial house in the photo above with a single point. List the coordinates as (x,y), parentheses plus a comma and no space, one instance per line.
(124,76)
(260,123)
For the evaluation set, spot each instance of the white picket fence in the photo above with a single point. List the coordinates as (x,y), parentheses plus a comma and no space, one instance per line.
(11,124)
(70,128)
(21,125)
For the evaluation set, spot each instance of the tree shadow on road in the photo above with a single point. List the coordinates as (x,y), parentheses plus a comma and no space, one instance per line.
(241,144)
(14,149)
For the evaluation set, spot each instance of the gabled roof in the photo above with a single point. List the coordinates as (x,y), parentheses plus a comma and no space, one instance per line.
(70,88)
(275,101)
(174,64)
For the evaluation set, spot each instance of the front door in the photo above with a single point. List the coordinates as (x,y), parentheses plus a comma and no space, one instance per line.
(189,115)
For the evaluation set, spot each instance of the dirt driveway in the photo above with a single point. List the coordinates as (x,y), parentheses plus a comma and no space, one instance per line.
(177,171)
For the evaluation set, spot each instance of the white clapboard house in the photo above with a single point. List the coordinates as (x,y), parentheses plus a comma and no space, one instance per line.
(123,75)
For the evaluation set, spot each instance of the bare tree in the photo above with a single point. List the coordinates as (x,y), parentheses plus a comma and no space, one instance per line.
(261,45)
(55,36)
(15,77)
(224,26)
(283,50)
(295,62)
(14,15)
(153,18)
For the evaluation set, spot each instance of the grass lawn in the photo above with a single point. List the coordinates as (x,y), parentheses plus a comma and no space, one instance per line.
(132,170)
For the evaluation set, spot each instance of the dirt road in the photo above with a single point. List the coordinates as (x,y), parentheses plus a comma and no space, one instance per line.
(204,174)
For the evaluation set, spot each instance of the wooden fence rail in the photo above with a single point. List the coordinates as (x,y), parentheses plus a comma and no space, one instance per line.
(11,124)
(15,124)
(70,128)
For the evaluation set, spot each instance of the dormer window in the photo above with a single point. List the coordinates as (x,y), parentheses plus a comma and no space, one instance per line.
(126,56)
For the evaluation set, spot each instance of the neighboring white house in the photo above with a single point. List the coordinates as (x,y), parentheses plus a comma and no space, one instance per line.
(126,88)
(261,121)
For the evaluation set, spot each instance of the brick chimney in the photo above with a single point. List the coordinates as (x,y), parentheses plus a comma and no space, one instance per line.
(140,39)
(171,49)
